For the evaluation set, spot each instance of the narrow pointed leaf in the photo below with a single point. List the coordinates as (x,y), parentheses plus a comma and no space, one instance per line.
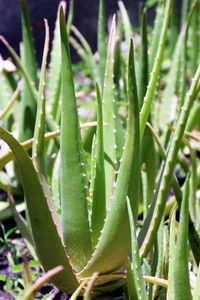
(193,117)
(20,221)
(102,41)
(75,223)
(130,281)
(181,273)
(143,60)
(70,16)
(134,186)
(28,105)
(136,263)
(172,261)
(174,26)
(99,192)
(38,142)
(55,68)
(10,103)
(195,38)
(109,113)
(184,11)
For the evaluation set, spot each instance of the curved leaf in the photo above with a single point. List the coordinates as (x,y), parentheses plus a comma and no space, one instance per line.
(46,229)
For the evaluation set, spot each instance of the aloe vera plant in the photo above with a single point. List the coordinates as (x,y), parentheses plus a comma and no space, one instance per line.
(84,214)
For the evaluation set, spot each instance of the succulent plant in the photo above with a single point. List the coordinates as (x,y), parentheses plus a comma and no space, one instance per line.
(86,219)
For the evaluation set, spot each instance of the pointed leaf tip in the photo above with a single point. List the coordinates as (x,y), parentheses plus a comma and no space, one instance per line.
(62,12)
(131,44)
(63,4)
(131,54)
(63,31)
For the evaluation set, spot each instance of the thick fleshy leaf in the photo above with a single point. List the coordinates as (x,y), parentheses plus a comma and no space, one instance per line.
(136,262)
(102,42)
(99,191)
(38,141)
(143,59)
(109,133)
(172,242)
(75,222)
(182,288)
(54,82)
(45,225)
(114,243)
(28,105)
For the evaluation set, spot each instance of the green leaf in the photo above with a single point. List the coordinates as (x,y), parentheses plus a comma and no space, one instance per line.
(6,91)
(109,114)
(143,59)
(130,281)
(74,214)
(28,42)
(102,41)
(193,118)
(144,114)
(38,141)
(184,11)
(196,295)
(181,273)
(99,191)
(172,242)
(174,27)
(45,225)
(134,186)
(126,22)
(195,39)
(54,83)
(55,183)
(28,105)
(136,263)
(70,16)
(114,243)
(21,223)
(10,102)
